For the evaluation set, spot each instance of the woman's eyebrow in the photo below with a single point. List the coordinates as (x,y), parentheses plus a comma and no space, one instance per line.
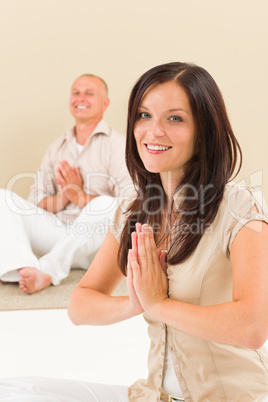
(169,110)
(178,110)
(143,107)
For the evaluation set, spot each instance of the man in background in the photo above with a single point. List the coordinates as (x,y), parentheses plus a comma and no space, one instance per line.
(72,201)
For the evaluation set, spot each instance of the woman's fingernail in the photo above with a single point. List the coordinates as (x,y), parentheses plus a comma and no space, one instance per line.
(145,227)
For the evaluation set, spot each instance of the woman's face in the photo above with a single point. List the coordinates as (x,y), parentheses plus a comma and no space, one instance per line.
(165,130)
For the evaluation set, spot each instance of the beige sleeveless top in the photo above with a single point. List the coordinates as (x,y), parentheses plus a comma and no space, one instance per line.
(207,371)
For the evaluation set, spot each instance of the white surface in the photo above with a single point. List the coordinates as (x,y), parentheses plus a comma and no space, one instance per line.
(46,343)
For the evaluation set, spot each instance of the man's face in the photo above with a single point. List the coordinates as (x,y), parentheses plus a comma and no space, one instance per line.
(88,100)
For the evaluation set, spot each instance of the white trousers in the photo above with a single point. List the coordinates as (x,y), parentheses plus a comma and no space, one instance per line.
(35,389)
(27,231)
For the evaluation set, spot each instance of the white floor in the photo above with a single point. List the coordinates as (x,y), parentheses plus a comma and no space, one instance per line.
(45,343)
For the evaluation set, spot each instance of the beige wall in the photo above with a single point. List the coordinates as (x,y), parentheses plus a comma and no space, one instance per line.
(46,44)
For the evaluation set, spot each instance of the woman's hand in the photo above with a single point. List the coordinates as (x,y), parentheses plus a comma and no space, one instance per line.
(135,303)
(148,268)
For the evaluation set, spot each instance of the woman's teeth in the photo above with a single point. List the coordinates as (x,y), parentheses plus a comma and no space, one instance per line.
(157,147)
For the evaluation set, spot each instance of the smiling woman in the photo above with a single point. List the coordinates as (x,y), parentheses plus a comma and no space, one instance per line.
(165,132)
(193,247)
(198,132)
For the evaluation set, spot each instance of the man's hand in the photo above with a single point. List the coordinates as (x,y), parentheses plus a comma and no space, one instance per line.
(70,183)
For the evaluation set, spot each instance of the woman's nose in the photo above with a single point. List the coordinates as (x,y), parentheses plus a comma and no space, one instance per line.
(156,128)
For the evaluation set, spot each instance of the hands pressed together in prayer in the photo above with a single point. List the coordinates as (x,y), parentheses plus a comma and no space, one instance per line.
(69,181)
(146,271)
(70,184)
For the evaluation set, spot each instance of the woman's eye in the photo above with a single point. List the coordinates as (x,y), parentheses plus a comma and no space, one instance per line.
(144,115)
(175,118)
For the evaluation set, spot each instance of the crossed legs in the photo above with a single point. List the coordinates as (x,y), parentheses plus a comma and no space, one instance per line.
(27,231)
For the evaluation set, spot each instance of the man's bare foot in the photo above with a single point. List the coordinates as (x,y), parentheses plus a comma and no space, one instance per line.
(5,282)
(32,280)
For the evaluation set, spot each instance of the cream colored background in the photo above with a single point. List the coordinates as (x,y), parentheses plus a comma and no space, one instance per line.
(46,44)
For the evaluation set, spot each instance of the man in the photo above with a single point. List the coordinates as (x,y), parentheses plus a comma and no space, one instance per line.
(71,203)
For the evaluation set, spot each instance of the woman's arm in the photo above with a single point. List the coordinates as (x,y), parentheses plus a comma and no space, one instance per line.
(92,301)
(243,321)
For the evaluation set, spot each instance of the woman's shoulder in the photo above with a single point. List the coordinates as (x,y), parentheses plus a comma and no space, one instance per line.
(238,200)
(240,205)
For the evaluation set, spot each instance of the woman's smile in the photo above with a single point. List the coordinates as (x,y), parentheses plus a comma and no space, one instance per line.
(165,130)
(157,148)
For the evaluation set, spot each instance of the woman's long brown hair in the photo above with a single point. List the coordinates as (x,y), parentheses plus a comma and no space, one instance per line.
(201,190)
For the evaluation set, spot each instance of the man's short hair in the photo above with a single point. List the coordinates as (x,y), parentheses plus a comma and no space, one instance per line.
(96,76)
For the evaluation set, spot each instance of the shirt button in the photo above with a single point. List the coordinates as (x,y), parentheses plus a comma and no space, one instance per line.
(162,353)
(163,343)
(157,399)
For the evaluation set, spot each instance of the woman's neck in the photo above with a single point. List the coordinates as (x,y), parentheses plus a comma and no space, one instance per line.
(170,182)
(163,234)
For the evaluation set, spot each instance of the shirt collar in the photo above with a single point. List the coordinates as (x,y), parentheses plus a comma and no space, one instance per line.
(101,128)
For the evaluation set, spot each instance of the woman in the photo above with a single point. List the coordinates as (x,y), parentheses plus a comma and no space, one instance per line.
(210,307)
(193,247)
